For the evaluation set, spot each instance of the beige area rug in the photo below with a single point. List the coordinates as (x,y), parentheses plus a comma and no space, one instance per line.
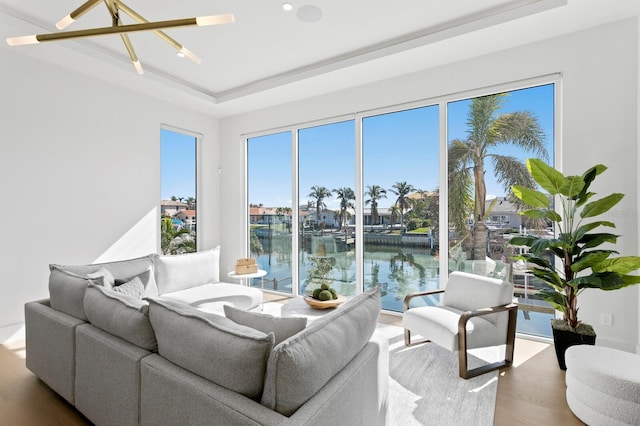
(424,386)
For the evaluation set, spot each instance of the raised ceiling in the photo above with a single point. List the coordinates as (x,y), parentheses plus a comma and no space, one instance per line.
(270,56)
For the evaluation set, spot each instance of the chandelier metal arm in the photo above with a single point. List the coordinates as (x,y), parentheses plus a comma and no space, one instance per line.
(73,16)
(114,7)
(176,45)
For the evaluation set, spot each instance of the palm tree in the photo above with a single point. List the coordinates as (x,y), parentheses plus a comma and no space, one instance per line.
(175,241)
(402,190)
(319,193)
(394,214)
(191,203)
(375,193)
(345,195)
(488,131)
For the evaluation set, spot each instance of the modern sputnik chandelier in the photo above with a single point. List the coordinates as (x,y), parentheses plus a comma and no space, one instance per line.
(115,7)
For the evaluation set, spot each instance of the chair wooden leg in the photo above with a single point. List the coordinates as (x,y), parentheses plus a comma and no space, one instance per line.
(407,339)
(464,372)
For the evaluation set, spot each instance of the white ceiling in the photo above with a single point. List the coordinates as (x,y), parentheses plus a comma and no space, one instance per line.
(269,56)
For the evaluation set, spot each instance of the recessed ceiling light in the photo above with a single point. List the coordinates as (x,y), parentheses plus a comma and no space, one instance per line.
(287,7)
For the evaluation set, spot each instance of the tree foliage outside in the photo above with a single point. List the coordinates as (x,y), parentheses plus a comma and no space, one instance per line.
(488,132)
(175,240)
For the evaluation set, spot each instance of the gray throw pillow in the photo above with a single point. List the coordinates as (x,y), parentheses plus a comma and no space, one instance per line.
(211,346)
(300,366)
(121,315)
(67,283)
(133,288)
(102,277)
(281,327)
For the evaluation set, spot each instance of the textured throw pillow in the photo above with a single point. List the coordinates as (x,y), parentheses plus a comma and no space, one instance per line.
(102,277)
(182,271)
(211,346)
(300,366)
(133,288)
(146,278)
(121,315)
(282,328)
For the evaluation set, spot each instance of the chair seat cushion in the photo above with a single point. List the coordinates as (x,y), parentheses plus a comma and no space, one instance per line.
(440,325)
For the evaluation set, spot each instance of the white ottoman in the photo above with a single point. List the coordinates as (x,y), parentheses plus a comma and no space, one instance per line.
(603,385)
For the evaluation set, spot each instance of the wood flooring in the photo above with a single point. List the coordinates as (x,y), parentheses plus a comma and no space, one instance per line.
(529,393)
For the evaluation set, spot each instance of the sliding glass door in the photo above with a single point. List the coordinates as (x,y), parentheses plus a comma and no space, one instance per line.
(400,217)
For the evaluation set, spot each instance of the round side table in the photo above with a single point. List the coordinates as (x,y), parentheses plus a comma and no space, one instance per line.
(246,277)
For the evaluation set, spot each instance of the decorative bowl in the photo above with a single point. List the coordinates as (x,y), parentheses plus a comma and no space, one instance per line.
(324,304)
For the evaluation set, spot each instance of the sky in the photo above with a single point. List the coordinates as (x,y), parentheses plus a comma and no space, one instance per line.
(397,147)
(177,165)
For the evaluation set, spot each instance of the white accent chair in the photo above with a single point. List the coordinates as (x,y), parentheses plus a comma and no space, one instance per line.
(474,312)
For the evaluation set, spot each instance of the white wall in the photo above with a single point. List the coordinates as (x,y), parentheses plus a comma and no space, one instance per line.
(599,125)
(79,175)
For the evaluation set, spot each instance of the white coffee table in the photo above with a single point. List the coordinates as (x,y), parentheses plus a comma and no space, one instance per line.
(246,277)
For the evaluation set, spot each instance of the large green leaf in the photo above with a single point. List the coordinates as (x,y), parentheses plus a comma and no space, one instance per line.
(556,299)
(621,265)
(589,259)
(571,186)
(582,230)
(594,240)
(523,240)
(543,214)
(600,206)
(546,176)
(530,196)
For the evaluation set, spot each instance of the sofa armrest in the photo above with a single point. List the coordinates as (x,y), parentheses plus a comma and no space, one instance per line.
(50,338)
(358,394)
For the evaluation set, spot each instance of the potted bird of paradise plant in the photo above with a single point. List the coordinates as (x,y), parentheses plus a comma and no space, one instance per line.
(586,257)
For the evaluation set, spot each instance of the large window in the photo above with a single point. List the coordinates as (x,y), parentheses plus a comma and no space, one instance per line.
(400,215)
(402,197)
(326,182)
(178,223)
(489,139)
(270,208)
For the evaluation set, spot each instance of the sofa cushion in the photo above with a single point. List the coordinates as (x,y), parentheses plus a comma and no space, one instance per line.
(211,346)
(67,283)
(213,297)
(182,271)
(121,315)
(301,365)
(281,327)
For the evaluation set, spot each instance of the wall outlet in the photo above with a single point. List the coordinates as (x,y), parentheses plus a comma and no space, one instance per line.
(606,319)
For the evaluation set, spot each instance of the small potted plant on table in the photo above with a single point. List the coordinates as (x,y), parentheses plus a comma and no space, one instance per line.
(583,263)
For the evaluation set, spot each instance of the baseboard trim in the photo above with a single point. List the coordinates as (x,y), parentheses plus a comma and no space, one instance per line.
(11,333)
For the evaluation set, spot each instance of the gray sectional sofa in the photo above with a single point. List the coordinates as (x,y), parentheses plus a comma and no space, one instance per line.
(146,341)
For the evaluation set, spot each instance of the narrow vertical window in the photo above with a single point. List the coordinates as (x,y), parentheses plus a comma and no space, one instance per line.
(401,200)
(326,186)
(178,223)
(270,208)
